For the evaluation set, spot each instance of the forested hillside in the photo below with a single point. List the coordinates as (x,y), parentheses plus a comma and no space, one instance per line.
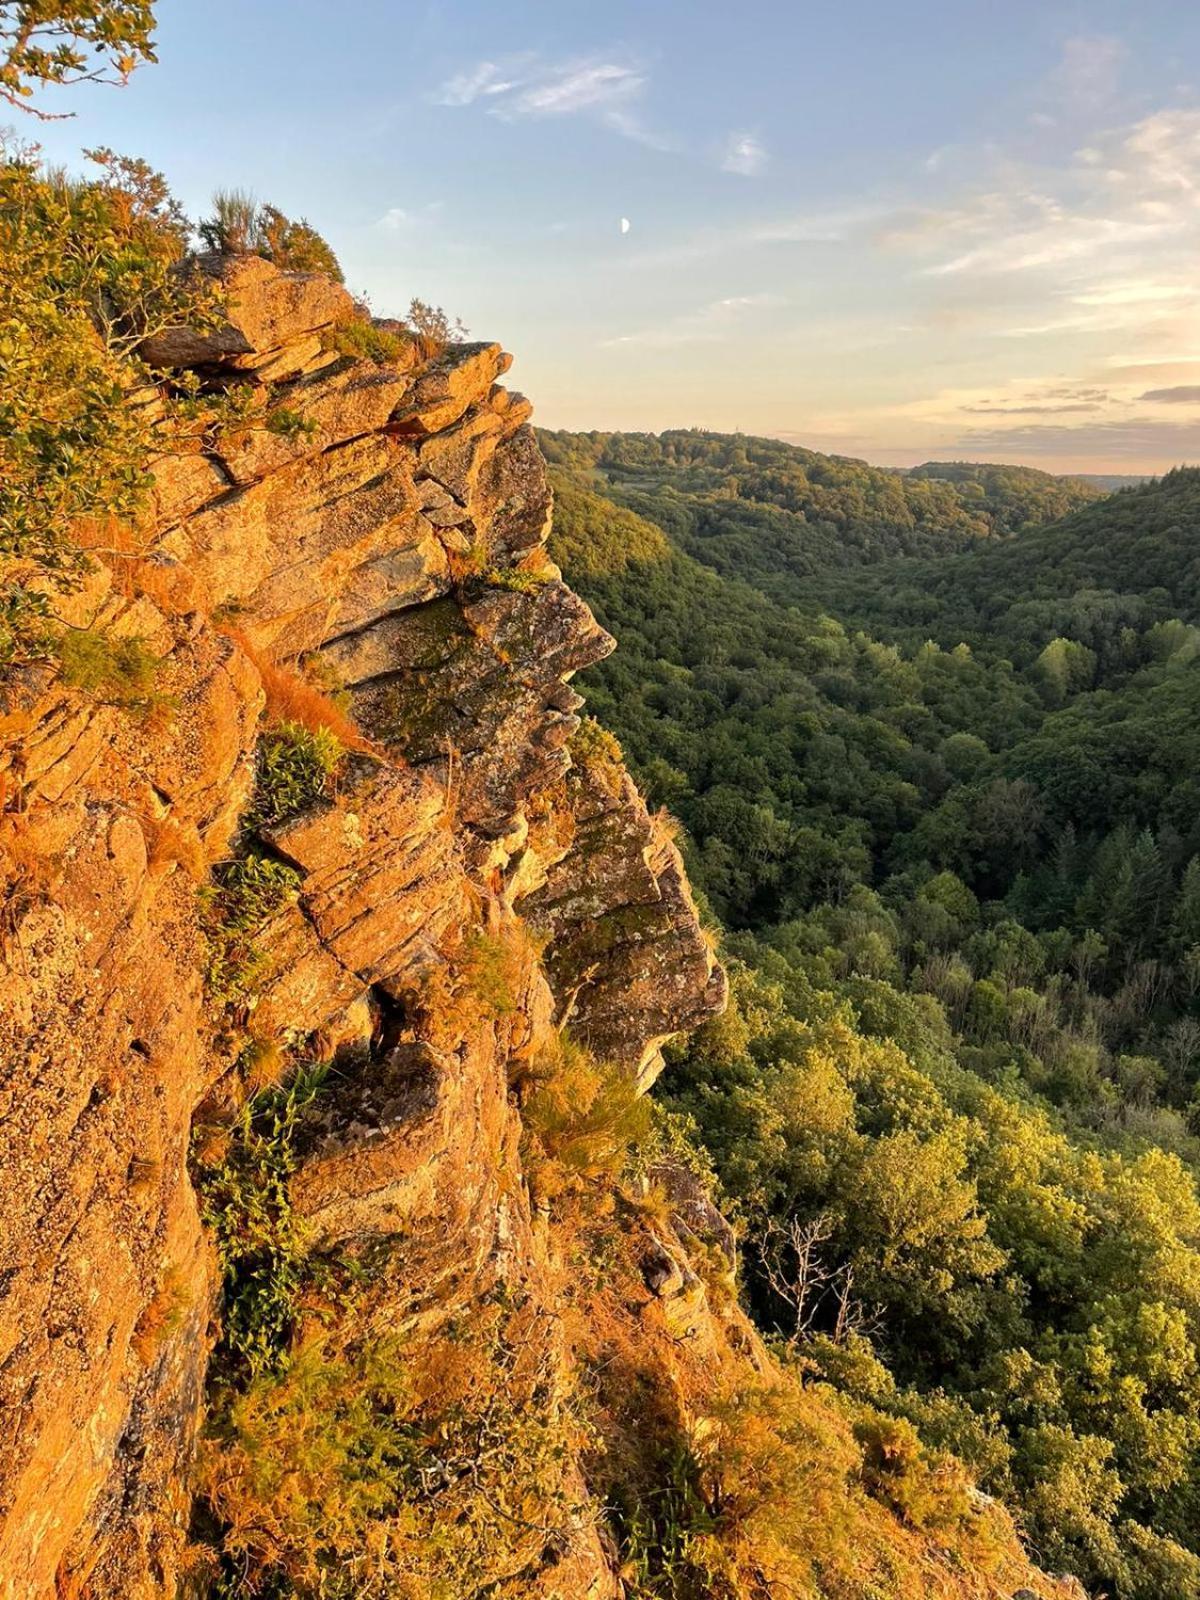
(772,512)
(948,807)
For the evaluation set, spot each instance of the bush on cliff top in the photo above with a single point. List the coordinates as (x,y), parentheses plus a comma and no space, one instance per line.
(241,225)
(88,268)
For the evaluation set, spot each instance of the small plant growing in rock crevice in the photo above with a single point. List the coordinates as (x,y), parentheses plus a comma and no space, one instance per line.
(581,1123)
(260,1242)
(244,893)
(367,340)
(516,579)
(119,670)
(591,745)
(295,767)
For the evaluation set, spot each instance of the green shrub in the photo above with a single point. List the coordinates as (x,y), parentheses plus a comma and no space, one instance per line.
(253,888)
(581,1123)
(240,225)
(362,339)
(489,970)
(88,269)
(296,766)
(303,1462)
(592,745)
(244,893)
(121,670)
(515,579)
(260,1242)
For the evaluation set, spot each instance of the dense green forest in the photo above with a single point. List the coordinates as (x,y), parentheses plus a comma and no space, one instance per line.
(771,512)
(936,760)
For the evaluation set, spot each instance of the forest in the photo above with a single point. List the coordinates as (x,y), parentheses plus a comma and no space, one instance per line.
(933,741)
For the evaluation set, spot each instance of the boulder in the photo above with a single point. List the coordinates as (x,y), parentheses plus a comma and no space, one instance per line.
(444,390)
(265,309)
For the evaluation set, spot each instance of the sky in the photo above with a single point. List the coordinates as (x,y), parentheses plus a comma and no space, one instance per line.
(942,229)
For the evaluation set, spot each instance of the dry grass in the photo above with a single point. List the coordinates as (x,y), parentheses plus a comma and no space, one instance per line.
(262,1062)
(291,697)
(161,1316)
(136,569)
(171,843)
(27,871)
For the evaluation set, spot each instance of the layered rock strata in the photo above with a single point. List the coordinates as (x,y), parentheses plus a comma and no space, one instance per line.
(391,538)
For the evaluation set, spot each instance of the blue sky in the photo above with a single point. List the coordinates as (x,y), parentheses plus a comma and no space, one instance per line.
(897,231)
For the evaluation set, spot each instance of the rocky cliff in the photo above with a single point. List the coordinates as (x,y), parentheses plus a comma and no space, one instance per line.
(466,939)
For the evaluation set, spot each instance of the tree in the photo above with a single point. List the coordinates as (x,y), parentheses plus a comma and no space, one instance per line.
(70,41)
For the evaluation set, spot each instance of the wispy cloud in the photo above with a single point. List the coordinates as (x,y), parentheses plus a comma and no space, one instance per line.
(1184,394)
(708,324)
(1033,410)
(744,154)
(528,86)
(488,79)
(1088,71)
(399,219)
(1135,440)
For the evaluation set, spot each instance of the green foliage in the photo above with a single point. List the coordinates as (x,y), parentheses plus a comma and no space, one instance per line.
(581,1123)
(240,225)
(434,328)
(515,579)
(252,888)
(25,624)
(1013,498)
(1039,1302)
(120,670)
(245,892)
(301,1464)
(952,804)
(366,340)
(592,745)
(295,767)
(260,1241)
(661,1528)
(70,41)
(489,971)
(778,514)
(87,270)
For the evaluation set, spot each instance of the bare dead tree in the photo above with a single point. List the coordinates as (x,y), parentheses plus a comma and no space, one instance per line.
(795,1262)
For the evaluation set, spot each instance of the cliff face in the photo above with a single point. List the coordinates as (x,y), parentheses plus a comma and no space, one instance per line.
(480,933)
(394,536)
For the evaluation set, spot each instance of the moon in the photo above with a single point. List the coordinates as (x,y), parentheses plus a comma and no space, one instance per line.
(625,224)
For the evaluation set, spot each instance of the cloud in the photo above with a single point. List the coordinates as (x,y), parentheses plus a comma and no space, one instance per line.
(1187,394)
(744,154)
(1024,411)
(1106,238)
(1135,440)
(398,219)
(529,87)
(582,86)
(1089,69)
(464,88)
(395,218)
(709,324)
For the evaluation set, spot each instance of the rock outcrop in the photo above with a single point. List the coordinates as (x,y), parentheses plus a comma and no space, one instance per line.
(478,901)
(393,535)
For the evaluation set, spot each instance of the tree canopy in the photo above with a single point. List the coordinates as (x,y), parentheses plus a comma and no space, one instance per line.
(940,780)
